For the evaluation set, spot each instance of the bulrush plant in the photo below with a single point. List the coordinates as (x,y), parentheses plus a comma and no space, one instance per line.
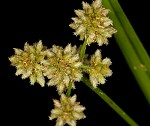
(64,67)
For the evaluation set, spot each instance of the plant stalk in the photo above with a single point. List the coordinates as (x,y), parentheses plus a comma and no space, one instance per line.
(133,59)
(110,102)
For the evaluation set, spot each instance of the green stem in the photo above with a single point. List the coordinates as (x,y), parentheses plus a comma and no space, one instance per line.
(83,48)
(130,54)
(69,89)
(86,67)
(110,102)
(134,39)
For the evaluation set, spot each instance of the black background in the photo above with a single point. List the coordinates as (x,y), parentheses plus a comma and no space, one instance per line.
(23,104)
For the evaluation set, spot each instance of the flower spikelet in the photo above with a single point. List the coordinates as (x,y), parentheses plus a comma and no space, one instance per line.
(67,111)
(92,23)
(28,62)
(62,66)
(100,69)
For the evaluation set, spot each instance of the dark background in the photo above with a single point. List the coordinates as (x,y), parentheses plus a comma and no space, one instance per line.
(23,104)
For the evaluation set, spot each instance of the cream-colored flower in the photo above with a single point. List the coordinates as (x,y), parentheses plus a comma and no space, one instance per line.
(28,62)
(92,23)
(67,111)
(100,69)
(62,66)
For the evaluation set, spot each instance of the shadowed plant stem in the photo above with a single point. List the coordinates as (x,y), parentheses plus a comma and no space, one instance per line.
(110,102)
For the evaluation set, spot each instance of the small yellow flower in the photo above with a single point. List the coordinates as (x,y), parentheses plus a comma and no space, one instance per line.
(100,69)
(92,23)
(62,66)
(28,62)
(67,111)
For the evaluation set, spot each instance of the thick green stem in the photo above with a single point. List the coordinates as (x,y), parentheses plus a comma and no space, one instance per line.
(69,89)
(110,102)
(130,54)
(134,39)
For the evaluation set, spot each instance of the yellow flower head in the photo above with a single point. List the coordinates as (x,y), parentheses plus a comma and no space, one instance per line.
(100,69)
(67,111)
(27,62)
(62,66)
(92,23)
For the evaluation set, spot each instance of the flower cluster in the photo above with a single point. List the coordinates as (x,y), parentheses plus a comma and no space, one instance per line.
(62,66)
(67,111)
(99,69)
(65,66)
(28,62)
(92,23)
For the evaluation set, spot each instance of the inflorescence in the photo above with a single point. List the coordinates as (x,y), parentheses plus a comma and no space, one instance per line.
(63,66)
